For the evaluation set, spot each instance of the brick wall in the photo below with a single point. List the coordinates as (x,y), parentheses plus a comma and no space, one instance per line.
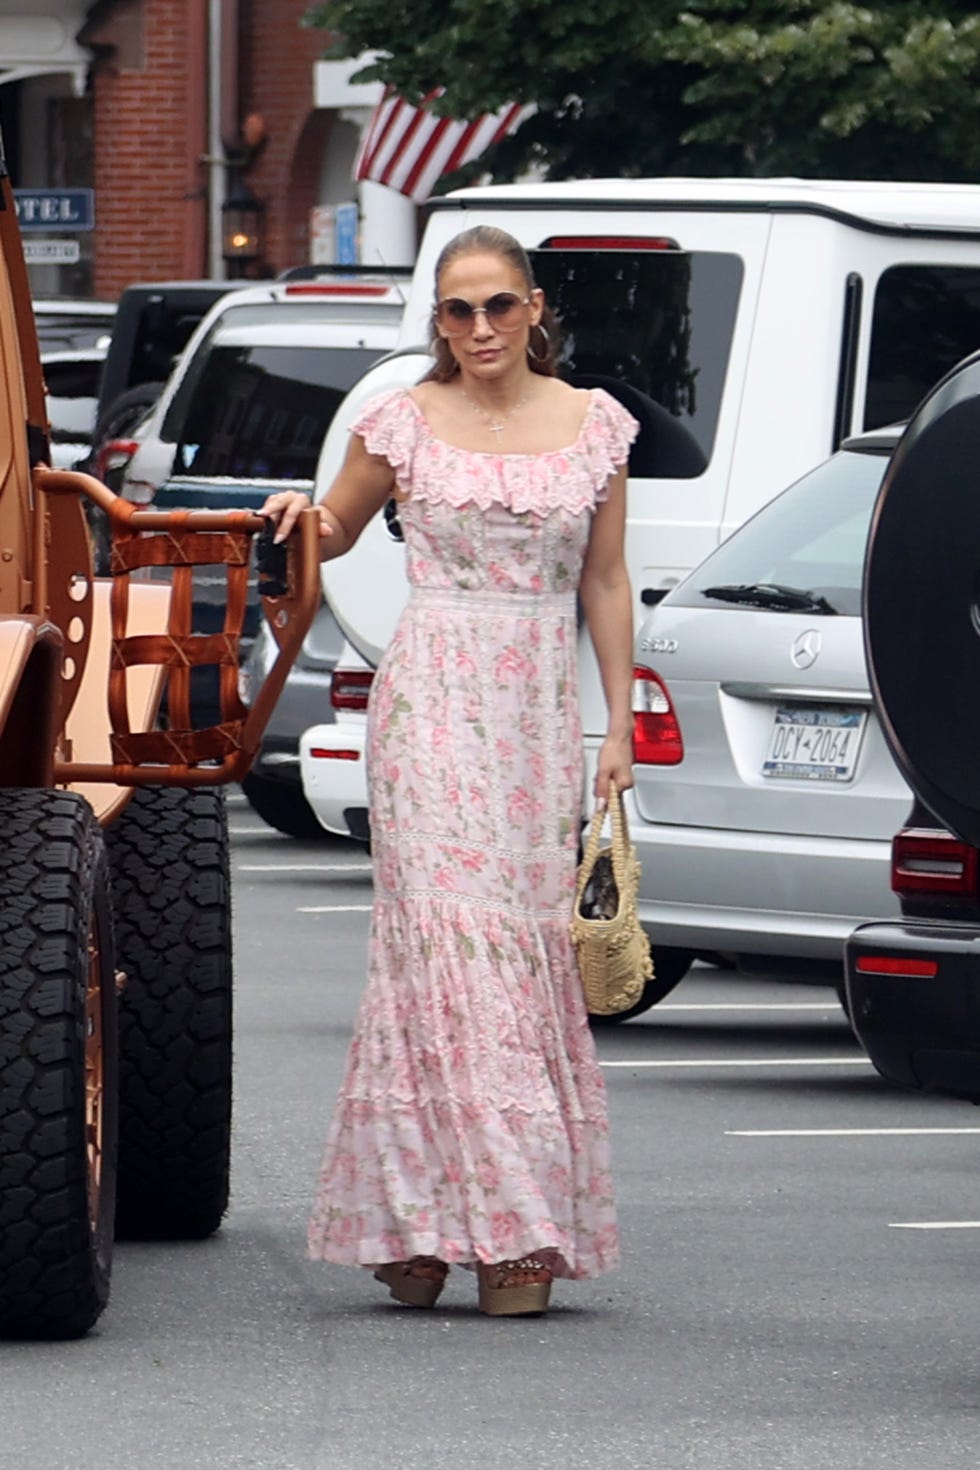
(150,132)
(149,222)
(277,81)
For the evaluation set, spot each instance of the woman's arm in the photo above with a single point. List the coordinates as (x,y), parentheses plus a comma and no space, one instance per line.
(363,484)
(608,604)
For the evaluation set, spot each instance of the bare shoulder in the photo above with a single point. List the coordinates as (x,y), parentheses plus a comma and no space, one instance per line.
(565,405)
(427,394)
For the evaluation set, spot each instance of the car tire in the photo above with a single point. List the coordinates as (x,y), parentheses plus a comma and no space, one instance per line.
(669,968)
(169,860)
(58,1080)
(283,806)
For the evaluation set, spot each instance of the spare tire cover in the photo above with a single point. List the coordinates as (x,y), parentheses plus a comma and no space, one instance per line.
(367,588)
(922,602)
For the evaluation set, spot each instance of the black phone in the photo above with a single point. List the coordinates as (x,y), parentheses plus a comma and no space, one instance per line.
(271,562)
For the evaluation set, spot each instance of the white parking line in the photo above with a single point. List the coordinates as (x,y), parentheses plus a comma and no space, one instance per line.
(255,832)
(839,1132)
(751,1062)
(303,867)
(338,908)
(934,1225)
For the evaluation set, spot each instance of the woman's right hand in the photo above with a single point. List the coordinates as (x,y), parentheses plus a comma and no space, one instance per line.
(284,507)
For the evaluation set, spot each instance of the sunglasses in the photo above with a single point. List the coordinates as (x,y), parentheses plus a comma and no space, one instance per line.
(504,312)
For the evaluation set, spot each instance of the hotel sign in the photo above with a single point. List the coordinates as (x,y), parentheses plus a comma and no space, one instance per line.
(52,210)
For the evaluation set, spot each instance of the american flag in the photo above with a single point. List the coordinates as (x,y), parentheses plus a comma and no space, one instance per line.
(410,148)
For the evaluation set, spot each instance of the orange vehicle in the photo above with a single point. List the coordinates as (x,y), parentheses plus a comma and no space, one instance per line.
(115,918)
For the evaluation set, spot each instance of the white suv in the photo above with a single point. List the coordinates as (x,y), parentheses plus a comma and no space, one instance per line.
(245,411)
(254,391)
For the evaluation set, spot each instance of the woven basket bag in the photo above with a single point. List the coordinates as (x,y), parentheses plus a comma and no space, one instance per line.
(613,954)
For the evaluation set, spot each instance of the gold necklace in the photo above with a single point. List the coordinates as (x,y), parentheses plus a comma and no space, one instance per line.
(496,426)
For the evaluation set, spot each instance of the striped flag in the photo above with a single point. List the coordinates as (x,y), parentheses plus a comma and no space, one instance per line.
(410,148)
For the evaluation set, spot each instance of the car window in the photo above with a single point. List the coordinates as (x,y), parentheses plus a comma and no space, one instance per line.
(811,539)
(61,330)
(926,320)
(655,328)
(262,412)
(72,396)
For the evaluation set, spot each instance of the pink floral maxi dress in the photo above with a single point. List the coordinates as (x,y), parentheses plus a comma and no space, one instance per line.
(471,1123)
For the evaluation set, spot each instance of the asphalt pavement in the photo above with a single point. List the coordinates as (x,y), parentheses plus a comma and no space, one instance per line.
(800,1257)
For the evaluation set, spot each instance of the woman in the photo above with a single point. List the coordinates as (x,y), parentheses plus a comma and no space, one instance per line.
(471,1125)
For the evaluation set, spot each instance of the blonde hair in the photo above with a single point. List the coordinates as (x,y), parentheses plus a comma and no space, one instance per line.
(542,356)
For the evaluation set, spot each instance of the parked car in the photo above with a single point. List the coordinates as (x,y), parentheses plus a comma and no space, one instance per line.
(766,797)
(153,324)
(252,396)
(273,785)
(246,409)
(332,748)
(332,752)
(913,983)
(71,378)
(72,324)
(750,325)
(73,338)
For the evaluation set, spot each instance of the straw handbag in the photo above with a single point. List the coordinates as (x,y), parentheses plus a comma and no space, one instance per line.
(613,952)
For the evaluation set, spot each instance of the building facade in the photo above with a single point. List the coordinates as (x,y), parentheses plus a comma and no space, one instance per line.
(213,138)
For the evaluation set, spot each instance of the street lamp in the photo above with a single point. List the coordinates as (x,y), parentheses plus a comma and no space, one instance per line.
(241,227)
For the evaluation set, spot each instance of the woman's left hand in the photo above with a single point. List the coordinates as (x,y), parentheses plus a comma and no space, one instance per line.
(615,762)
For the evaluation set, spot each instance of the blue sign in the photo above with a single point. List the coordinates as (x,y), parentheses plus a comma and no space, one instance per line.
(345,226)
(55,209)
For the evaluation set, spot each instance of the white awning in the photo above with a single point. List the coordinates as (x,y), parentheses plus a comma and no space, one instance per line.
(36,43)
(332,85)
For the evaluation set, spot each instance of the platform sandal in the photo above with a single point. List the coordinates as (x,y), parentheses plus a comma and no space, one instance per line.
(416,1283)
(504,1291)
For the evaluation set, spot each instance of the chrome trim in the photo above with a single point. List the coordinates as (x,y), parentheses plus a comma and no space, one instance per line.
(797,692)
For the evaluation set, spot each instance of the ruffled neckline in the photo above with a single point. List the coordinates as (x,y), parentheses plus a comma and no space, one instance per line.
(536,454)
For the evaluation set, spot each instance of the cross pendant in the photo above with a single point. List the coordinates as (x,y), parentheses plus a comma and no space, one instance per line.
(497,429)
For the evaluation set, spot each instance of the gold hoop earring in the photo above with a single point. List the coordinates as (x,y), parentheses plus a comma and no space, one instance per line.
(539,357)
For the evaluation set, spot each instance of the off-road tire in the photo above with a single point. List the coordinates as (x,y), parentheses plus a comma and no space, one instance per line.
(168,854)
(669,968)
(56,1199)
(283,806)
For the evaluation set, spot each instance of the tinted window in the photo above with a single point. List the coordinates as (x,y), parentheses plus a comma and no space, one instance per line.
(63,331)
(655,328)
(926,320)
(811,538)
(262,412)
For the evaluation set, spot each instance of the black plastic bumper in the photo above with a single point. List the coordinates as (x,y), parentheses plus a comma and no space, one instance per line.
(920,1030)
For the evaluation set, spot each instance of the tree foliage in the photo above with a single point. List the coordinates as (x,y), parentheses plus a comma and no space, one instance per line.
(630,87)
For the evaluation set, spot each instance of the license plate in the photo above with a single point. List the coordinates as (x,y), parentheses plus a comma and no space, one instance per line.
(814,744)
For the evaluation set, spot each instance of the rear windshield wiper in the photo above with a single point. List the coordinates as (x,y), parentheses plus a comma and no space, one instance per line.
(772,595)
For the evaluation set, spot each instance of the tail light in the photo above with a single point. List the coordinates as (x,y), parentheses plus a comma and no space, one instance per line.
(114,454)
(610,242)
(349,688)
(321,753)
(900,965)
(334,288)
(927,861)
(656,733)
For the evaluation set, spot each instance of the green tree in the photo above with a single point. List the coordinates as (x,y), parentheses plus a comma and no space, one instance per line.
(629,87)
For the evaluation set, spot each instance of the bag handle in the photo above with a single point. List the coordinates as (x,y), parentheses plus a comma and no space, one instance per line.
(620,842)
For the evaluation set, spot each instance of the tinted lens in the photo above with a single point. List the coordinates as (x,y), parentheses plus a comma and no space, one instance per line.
(454,316)
(506,311)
